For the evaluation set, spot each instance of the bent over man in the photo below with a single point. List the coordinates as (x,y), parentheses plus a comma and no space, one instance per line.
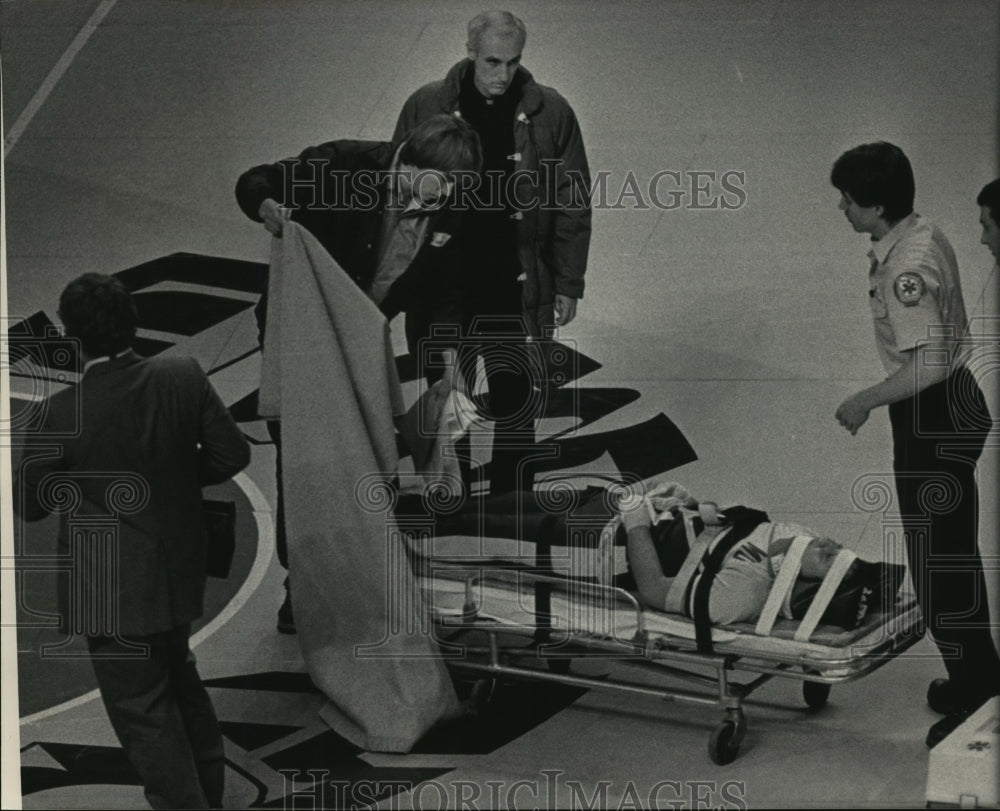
(381,211)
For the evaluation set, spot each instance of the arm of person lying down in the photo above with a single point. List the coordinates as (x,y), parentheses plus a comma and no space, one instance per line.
(653,584)
(738,594)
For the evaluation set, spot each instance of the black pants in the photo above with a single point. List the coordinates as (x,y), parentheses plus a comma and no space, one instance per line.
(515,379)
(560,518)
(280,537)
(937,437)
(539,516)
(163,717)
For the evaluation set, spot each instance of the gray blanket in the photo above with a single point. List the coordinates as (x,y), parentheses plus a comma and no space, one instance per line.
(328,372)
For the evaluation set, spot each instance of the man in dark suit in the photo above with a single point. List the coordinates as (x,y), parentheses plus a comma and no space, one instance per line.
(383,213)
(123,456)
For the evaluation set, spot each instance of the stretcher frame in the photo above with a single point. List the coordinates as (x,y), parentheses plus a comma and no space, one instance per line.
(664,654)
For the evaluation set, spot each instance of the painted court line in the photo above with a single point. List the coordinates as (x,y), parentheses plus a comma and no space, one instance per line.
(47,86)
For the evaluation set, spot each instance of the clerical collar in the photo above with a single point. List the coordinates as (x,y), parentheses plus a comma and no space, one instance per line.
(470,92)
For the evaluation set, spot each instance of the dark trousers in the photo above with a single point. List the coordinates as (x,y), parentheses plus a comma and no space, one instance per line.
(937,437)
(546,517)
(163,718)
(515,379)
(280,537)
(556,517)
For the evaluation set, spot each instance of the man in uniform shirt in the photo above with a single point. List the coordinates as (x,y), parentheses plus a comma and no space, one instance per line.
(938,414)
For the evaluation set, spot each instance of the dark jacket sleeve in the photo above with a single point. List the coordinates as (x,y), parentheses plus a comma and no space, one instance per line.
(42,451)
(223,450)
(571,232)
(299,182)
(31,464)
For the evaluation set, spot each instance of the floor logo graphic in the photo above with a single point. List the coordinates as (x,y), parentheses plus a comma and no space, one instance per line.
(193,303)
(276,760)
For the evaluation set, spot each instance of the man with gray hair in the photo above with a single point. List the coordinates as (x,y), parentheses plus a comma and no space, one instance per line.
(530,222)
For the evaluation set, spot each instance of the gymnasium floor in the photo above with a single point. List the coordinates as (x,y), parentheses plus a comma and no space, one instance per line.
(126,124)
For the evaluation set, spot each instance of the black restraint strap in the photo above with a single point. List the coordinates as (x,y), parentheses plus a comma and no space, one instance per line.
(743,520)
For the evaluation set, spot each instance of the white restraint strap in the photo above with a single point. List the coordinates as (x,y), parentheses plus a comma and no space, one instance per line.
(782,584)
(829,587)
(696,551)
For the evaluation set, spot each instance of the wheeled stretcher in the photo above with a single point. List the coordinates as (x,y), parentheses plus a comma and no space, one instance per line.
(523,611)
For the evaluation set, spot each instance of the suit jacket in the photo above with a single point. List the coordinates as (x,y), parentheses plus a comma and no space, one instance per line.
(122,457)
(337,191)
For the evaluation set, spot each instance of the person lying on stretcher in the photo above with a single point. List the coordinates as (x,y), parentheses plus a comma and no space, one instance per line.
(658,545)
(659,539)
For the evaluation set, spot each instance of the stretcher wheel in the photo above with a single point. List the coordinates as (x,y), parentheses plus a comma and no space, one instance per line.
(815,693)
(724,745)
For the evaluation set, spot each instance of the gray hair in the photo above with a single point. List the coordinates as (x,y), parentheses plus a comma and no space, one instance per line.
(505,23)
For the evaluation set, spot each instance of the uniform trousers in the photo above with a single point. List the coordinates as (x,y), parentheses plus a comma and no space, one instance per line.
(937,437)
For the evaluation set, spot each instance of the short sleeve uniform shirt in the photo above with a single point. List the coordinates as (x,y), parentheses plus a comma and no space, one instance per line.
(914,291)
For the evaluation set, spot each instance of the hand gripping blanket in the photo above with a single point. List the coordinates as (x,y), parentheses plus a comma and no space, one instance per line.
(329,374)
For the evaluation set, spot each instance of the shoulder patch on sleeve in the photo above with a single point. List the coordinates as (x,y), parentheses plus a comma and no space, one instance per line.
(909,288)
